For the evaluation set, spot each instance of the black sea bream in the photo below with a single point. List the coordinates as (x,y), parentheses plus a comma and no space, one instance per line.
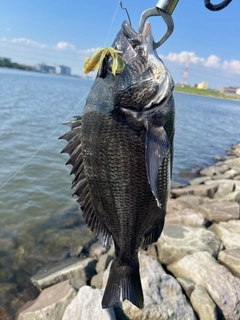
(121,151)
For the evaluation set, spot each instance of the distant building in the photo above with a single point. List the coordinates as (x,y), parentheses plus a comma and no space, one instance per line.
(65,70)
(202,85)
(43,67)
(238,91)
(227,90)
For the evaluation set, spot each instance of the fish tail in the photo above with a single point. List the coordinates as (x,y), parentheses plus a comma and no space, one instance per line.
(126,278)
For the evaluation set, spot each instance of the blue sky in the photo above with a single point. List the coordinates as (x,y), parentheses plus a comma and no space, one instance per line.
(65,32)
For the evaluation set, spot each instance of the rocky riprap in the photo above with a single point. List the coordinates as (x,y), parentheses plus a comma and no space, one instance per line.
(192,272)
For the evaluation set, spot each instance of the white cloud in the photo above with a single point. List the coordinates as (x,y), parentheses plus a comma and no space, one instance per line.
(23,41)
(212,61)
(65,45)
(231,66)
(182,57)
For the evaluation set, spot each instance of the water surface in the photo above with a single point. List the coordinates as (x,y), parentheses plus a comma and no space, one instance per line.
(39,219)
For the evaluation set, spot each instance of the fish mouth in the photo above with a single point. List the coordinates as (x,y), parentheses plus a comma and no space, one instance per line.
(134,38)
(158,72)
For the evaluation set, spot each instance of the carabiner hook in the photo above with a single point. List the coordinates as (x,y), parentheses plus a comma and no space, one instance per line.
(163,8)
(216,7)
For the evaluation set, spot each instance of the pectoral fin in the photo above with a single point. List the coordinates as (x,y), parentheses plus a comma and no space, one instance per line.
(157,147)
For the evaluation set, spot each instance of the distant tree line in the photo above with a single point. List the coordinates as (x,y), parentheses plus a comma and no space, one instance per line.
(6,63)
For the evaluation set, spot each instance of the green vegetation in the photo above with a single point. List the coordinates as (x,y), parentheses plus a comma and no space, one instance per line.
(207,93)
(6,63)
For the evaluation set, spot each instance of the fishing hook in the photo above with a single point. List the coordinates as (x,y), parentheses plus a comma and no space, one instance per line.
(121,4)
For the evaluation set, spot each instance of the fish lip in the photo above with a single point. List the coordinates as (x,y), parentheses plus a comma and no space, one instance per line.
(132,36)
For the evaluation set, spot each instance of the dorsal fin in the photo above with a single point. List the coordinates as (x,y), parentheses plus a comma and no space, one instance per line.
(80,183)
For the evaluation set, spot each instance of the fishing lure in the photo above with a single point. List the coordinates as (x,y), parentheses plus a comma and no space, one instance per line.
(94,63)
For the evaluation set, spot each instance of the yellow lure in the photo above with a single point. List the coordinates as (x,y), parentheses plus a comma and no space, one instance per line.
(94,63)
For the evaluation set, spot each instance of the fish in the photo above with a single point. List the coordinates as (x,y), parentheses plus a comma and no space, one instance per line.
(121,152)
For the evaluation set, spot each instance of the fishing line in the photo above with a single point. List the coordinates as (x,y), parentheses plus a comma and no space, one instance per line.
(114,16)
(34,154)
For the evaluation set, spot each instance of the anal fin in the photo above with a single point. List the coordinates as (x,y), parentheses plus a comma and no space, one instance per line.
(152,236)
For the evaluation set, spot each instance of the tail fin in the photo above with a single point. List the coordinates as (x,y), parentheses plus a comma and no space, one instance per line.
(126,278)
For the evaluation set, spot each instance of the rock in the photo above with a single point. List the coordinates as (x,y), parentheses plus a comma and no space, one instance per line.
(220,211)
(152,250)
(231,260)
(188,286)
(163,297)
(76,251)
(237,186)
(210,171)
(223,168)
(224,189)
(199,180)
(96,250)
(229,233)
(237,177)
(50,304)
(103,262)
(232,196)
(203,304)
(178,241)
(68,269)
(218,182)
(191,201)
(77,282)
(88,305)
(175,184)
(233,162)
(199,190)
(186,201)
(96,281)
(231,173)
(186,217)
(202,269)
(174,205)
(221,177)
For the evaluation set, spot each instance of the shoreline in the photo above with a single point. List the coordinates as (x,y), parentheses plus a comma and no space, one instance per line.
(199,238)
(179,90)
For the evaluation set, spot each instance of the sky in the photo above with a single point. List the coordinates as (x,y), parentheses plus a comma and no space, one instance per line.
(61,32)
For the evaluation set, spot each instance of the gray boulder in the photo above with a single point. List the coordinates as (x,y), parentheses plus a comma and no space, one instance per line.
(224,189)
(203,304)
(96,281)
(202,269)
(220,211)
(84,269)
(232,196)
(178,241)
(198,190)
(229,233)
(163,297)
(231,260)
(199,180)
(209,171)
(186,216)
(50,304)
(87,305)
